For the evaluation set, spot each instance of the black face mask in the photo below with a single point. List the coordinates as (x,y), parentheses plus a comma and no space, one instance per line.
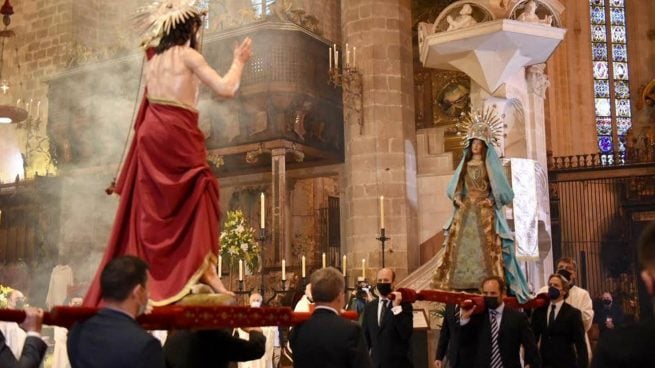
(553,293)
(384,288)
(491,302)
(607,302)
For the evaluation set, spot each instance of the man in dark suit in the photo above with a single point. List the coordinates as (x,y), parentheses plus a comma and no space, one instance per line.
(500,331)
(633,346)
(459,352)
(559,329)
(607,314)
(112,338)
(388,325)
(34,348)
(215,348)
(327,340)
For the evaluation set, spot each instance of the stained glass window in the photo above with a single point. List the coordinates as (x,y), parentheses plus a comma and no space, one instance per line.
(610,70)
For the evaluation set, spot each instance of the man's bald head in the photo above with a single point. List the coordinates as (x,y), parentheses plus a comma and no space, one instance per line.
(386,275)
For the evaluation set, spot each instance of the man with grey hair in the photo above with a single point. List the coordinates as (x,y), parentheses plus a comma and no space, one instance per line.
(326,339)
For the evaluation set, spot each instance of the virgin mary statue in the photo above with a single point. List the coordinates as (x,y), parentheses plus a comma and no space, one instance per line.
(479,242)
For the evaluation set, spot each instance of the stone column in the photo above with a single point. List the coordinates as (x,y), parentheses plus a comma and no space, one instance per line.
(380,159)
(278,205)
(536,130)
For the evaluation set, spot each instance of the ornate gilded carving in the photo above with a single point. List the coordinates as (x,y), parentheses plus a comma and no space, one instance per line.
(216,160)
(252,157)
(451,91)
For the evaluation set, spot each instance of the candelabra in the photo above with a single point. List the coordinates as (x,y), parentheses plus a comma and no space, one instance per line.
(283,290)
(350,79)
(242,290)
(382,238)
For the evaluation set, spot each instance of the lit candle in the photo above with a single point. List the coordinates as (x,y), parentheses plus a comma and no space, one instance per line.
(302,260)
(336,59)
(241,270)
(284,269)
(343,265)
(364,267)
(347,55)
(381,212)
(354,56)
(330,53)
(262,211)
(220,266)
(323,258)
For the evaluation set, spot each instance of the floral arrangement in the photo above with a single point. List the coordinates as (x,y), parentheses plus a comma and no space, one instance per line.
(237,242)
(5,291)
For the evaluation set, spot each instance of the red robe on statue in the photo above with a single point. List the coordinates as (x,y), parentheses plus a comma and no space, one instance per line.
(168,212)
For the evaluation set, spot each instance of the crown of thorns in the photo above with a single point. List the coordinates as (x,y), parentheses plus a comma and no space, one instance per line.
(156,20)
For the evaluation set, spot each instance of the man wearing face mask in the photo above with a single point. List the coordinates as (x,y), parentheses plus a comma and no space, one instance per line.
(500,331)
(608,315)
(558,329)
(633,346)
(269,332)
(112,338)
(388,325)
(578,297)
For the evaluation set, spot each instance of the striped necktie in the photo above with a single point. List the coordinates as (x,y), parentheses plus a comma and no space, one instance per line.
(496,361)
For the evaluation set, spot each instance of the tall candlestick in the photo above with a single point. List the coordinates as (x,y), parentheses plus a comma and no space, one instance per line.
(330,54)
(336,59)
(302,260)
(354,56)
(284,269)
(220,266)
(241,270)
(323,258)
(343,265)
(381,212)
(262,211)
(347,55)
(364,267)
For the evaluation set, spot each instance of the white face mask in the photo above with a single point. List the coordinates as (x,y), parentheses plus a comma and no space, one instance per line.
(255,304)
